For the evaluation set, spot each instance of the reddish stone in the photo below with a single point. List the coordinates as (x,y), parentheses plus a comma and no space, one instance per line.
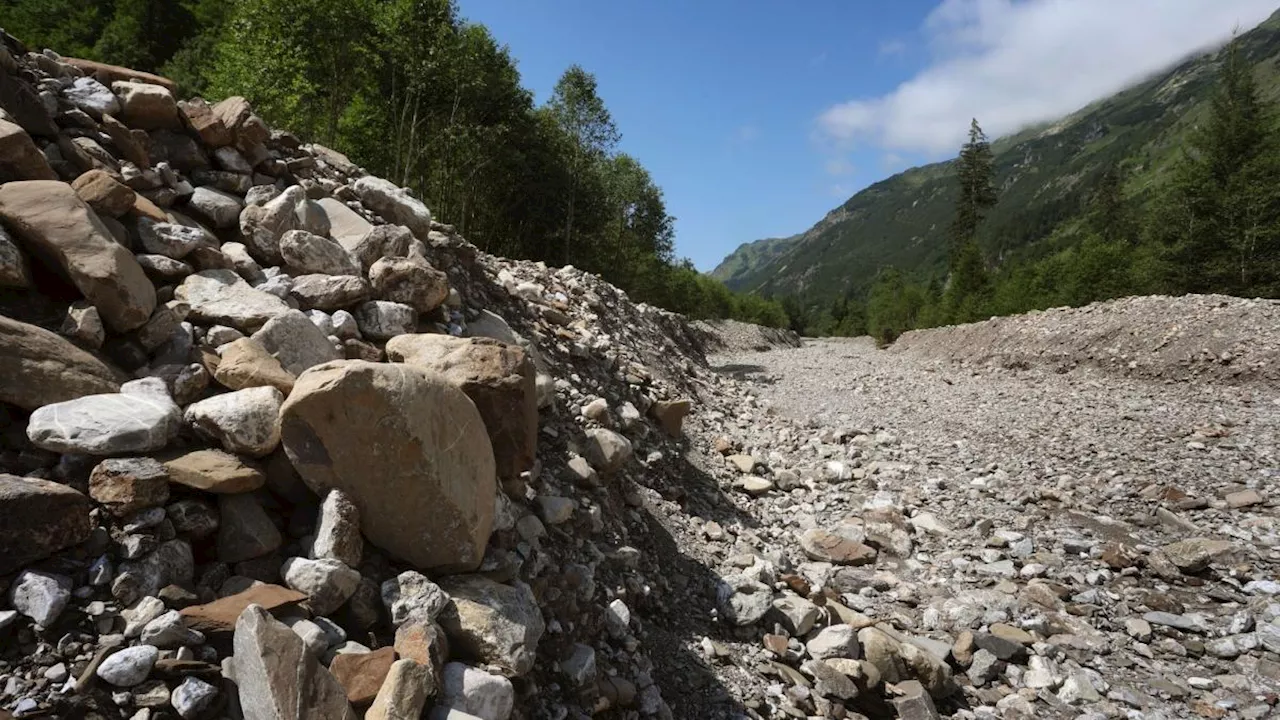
(221,615)
(362,674)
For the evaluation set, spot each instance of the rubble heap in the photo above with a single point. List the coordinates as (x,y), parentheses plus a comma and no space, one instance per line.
(277,443)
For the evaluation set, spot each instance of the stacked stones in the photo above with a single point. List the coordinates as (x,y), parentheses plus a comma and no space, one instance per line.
(270,447)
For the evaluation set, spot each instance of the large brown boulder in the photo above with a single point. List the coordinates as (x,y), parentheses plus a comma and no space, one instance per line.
(40,368)
(20,159)
(410,450)
(56,225)
(499,379)
(37,519)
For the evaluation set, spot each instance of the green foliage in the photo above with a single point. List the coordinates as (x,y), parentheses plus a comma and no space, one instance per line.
(70,27)
(894,305)
(1208,221)
(1045,175)
(301,62)
(975,175)
(1222,215)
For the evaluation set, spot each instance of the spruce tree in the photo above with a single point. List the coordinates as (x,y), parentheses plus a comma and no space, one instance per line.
(975,171)
(1110,216)
(1228,204)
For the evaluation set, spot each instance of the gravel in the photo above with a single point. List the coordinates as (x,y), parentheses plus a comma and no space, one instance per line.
(1086,518)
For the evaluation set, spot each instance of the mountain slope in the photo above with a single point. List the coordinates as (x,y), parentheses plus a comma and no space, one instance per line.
(1044,175)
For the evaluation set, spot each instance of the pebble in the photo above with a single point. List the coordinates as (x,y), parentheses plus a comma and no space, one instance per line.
(130,666)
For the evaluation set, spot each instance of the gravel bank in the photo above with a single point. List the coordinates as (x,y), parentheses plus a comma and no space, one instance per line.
(1124,523)
(1192,337)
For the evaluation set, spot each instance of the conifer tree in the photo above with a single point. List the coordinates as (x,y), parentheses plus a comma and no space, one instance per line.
(1110,216)
(1227,222)
(975,171)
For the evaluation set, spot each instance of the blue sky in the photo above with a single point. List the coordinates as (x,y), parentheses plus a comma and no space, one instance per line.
(757,117)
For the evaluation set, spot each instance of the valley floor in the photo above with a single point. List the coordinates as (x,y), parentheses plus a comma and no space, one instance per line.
(1120,531)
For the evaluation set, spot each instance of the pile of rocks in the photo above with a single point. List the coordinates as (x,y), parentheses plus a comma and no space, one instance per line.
(1174,339)
(734,336)
(276,444)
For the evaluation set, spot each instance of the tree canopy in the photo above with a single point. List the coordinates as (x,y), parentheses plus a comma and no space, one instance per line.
(415,93)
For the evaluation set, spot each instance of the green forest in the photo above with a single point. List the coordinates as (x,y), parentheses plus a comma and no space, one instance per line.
(413,92)
(1211,224)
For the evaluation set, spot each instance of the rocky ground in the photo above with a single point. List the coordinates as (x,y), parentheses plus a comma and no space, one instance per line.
(1071,540)
(277,444)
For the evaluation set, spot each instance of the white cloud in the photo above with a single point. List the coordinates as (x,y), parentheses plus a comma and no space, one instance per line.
(839,166)
(1011,63)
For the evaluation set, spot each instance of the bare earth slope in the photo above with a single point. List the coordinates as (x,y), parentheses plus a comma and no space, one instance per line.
(1123,522)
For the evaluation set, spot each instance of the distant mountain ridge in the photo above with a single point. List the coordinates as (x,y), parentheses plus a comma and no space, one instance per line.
(1044,174)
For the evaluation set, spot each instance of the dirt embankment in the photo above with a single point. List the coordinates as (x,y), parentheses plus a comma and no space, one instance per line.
(1206,337)
(734,336)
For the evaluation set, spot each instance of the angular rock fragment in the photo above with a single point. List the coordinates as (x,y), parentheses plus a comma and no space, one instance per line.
(37,519)
(52,222)
(498,378)
(326,582)
(245,531)
(214,471)
(245,421)
(146,106)
(329,292)
(407,447)
(219,208)
(394,204)
(476,692)
(39,368)
(126,485)
(220,616)
(493,623)
(140,418)
(221,297)
(20,159)
(246,363)
(362,674)
(338,532)
(411,596)
(607,450)
(14,272)
(307,253)
(105,194)
(382,320)
(840,546)
(409,280)
(1195,554)
(403,694)
(296,342)
(40,596)
(276,676)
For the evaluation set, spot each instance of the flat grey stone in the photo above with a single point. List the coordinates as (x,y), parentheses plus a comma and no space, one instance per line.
(140,418)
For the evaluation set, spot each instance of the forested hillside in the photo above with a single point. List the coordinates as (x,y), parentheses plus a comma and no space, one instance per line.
(412,91)
(1085,210)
